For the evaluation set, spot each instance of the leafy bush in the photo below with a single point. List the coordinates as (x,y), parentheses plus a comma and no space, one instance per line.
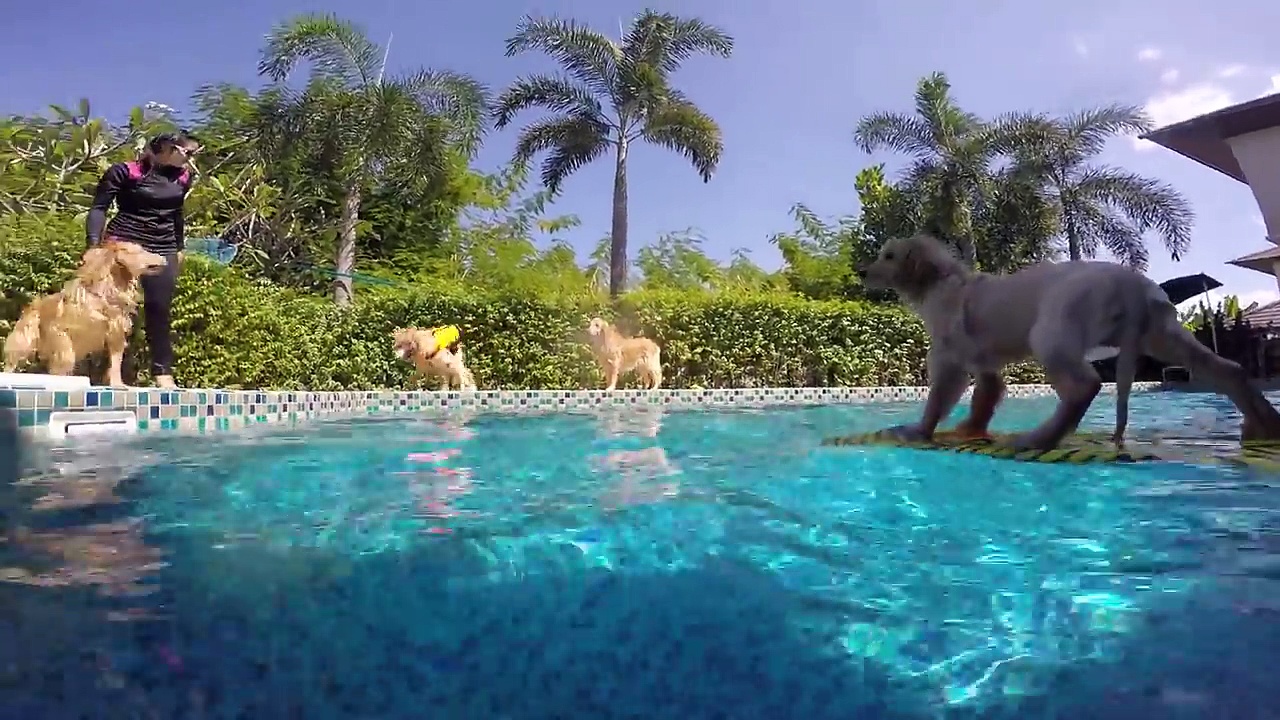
(232,331)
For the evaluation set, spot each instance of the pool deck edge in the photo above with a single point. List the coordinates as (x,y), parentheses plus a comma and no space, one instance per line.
(202,410)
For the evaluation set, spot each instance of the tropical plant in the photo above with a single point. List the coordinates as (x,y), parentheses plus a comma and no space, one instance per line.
(52,163)
(1102,206)
(609,96)
(676,261)
(1201,315)
(358,124)
(951,152)
(886,211)
(1015,224)
(821,257)
(507,239)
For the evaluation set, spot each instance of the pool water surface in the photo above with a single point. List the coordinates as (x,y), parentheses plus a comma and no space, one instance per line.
(637,564)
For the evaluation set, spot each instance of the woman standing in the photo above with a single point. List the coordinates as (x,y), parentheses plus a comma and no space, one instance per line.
(149,196)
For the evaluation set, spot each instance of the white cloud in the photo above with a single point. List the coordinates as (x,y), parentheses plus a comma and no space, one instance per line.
(1080,47)
(1178,105)
(1150,54)
(1187,103)
(1174,105)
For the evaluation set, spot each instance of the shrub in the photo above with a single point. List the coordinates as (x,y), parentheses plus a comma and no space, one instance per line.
(234,331)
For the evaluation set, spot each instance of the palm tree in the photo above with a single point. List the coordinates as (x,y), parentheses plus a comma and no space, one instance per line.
(952,152)
(608,96)
(360,124)
(1100,206)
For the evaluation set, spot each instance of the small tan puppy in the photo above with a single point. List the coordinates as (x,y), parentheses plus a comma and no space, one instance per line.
(1055,313)
(618,355)
(446,363)
(93,312)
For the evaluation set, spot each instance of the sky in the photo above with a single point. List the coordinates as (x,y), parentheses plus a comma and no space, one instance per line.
(801,76)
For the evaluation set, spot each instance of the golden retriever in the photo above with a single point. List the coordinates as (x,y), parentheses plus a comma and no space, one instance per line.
(617,355)
(93,312)
(419,347)
(1056,313)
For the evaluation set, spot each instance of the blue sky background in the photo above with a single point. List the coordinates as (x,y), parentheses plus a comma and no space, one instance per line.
(801,76)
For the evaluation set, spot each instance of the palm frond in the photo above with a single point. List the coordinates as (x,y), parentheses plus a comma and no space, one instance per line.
(935,106)
(557,94)
(641,89)
(1147,203)
(1104,227)
(665,41)
(573,141)
(1016,134)
(922,177)
(458,98)
(586,55)
(336,48)
(1087,131)
(902,133)
(387,116)
(684,128)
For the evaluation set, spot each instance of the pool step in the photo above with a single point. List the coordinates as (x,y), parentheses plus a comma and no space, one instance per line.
(33,381)
(92,422)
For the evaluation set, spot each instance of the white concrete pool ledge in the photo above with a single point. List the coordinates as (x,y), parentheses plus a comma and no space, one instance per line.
(55,412)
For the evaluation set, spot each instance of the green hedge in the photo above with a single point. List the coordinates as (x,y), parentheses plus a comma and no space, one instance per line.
(232,331)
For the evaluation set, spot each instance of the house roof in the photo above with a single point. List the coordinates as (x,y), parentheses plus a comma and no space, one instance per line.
(1264,315)
(1203,138)
(1262,261)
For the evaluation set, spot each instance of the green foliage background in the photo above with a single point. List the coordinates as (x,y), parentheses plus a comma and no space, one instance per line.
(233,330)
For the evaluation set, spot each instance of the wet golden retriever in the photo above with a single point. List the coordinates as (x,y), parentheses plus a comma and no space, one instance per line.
(618,355)
(93,312)
(419,347)
(1055,313)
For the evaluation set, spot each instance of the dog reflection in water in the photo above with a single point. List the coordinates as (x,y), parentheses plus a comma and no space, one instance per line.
(645,475)
(436,485)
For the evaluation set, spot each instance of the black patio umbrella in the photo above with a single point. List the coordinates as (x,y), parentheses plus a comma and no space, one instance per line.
(1182,289)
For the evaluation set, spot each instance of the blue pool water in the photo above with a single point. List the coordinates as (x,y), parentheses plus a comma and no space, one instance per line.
(636,564)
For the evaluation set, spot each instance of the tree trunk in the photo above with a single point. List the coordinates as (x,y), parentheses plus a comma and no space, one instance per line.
(1073,239)
(345,262)
(618,237)
(957,224)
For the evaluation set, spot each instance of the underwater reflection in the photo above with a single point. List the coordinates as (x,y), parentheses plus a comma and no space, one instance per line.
(644,474)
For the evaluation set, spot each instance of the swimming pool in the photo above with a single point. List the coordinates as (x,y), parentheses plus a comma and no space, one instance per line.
(635,563)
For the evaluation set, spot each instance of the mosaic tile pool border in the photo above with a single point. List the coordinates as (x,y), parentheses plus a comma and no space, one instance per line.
(216,410)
